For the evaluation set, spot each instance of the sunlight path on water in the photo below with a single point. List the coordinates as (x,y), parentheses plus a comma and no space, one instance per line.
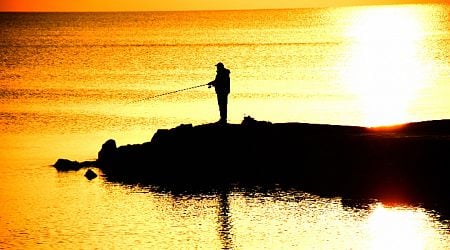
(388,63)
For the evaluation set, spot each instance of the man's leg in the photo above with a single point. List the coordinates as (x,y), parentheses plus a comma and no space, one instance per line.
(222,100)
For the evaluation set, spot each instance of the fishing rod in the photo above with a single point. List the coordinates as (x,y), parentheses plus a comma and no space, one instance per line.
(168,93)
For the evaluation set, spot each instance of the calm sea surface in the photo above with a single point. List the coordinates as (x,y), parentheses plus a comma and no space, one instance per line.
(70,81)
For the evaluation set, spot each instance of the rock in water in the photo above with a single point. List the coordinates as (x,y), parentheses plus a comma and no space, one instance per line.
(67,165)
(90,174)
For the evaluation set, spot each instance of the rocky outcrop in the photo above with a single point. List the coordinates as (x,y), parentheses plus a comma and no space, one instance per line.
(408,160)
(68,165)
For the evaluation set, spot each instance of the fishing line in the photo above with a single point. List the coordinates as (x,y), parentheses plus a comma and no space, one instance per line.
(167,93)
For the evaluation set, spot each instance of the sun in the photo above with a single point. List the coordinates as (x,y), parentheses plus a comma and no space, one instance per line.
(385,67)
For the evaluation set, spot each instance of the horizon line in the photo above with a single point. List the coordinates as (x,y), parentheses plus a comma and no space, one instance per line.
(215,10)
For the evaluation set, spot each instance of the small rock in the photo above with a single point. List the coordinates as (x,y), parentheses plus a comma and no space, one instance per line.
(90,174)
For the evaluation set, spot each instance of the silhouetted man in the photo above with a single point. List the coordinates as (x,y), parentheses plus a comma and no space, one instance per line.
(222,87)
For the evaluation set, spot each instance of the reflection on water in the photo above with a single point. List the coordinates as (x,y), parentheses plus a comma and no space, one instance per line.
(100,214)
(397,228)
(389,61)
(225,221)
(279,219)
(261,218)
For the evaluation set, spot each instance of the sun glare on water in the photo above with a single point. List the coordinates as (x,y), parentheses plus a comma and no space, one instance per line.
(385,65)
(396,228)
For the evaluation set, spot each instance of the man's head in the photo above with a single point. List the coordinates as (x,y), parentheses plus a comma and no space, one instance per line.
(220,65)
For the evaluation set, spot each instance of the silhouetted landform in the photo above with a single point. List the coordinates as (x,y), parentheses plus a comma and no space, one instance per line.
(68,165)
(410,161)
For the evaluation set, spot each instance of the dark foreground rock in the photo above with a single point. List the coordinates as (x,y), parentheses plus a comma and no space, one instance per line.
(68,165)
(90,174)
(405,162)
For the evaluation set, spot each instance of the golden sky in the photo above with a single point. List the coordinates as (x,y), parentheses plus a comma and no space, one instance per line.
(146,5)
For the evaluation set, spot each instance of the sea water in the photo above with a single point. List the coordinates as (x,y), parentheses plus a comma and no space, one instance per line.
(70,81)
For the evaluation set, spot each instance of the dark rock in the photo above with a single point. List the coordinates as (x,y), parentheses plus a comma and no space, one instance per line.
(107,153)
(67,165)
(395,161)
(90,174)
(402,162)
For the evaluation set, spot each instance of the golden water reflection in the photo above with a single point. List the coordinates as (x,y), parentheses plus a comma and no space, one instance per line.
(389,62)
(296,220)
(400,228)
(70,211)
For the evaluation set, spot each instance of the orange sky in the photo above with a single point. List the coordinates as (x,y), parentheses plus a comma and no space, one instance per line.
(145,5)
